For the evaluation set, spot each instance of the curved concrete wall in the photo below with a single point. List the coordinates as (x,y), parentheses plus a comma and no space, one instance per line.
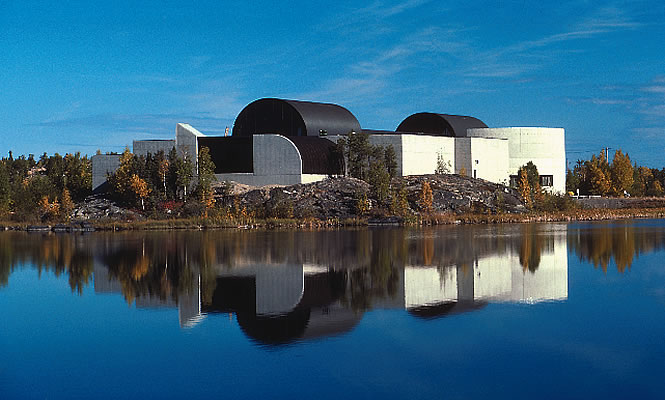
(545,147)
(276,155)
(277,161)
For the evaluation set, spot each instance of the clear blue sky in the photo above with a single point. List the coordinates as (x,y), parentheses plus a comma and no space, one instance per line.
(81,76)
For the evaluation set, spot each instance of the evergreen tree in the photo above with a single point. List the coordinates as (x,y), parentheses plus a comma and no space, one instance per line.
(390,161)
(184,170)
(5,189)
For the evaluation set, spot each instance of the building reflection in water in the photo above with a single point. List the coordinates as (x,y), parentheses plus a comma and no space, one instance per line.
(429,273)
(288,286)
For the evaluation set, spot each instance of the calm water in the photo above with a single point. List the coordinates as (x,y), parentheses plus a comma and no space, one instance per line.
(513,311)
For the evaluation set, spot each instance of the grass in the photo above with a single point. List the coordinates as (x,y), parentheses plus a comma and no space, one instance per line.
(200,223)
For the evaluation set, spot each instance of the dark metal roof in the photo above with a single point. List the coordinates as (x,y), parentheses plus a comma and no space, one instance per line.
(230,154)
(440,124)
(294,118)
(318,155)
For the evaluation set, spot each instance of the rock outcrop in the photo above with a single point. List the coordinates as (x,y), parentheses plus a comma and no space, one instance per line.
(338,197)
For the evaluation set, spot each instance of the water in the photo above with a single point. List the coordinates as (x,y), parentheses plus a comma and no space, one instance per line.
(510,311)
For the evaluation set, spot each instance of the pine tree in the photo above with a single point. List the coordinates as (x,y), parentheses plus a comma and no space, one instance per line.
(5,189)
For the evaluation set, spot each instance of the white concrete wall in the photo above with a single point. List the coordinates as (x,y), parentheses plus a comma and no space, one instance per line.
(186,142)
(309,178)
(143,147)
(545,147)
(490,160)
(496,278)
(417,154)
(420,153)
(427,286)
(549,282)
(102,165)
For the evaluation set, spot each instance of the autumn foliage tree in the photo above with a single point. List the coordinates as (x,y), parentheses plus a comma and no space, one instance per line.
(139,188)
(426,197)
(621,173)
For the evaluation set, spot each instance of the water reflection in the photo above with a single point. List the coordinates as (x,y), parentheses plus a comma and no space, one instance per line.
(288,286)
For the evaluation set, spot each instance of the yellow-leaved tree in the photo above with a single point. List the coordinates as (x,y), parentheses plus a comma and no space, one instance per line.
(140,189)
(621,173)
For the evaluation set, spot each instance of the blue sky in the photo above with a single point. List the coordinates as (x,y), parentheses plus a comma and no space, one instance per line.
(82,76)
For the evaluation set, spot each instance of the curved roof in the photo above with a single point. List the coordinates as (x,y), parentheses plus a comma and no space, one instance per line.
(440,124)
(294,118)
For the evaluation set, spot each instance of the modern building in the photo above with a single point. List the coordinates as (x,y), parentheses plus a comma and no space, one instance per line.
(276,141)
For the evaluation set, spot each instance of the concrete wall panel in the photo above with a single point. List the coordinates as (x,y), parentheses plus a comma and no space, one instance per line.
(276,155)
(143,147)
(489,159)
(186,141)
(102,165)
(545,147)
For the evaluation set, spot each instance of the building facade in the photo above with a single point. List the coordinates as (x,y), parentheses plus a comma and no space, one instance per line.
(285,142)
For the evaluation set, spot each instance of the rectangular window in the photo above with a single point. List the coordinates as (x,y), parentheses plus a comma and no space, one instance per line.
(546,180)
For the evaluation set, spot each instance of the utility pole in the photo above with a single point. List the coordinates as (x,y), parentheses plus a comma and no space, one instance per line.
(607,154)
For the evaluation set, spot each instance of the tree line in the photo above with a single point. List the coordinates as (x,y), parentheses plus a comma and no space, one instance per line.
(43,189)
(620,178)
(162,182)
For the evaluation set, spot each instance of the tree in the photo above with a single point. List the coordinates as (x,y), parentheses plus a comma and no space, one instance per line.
(358,155)
(528,184)
(426,197)
(655,188)
(120,180)
(599,175)
(642,176)
(621,173)
(184,170)
(206,168)
(162,168)
(524,188)
(572,181)
(390,161)
(140,189)
(206,177)
(379,181)
(600,182)
(66,204)
(442,166)
(5,189)
(399,204)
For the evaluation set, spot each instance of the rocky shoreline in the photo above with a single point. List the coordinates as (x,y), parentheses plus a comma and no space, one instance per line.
(333,203)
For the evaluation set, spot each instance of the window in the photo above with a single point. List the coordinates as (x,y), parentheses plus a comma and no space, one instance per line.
(546,180)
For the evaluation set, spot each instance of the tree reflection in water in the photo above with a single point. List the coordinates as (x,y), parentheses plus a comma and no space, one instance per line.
(285,286)
(621,242)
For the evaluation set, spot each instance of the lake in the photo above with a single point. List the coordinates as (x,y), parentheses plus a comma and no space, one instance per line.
(503,311)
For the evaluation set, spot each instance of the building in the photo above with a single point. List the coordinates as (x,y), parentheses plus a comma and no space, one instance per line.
(276,141)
